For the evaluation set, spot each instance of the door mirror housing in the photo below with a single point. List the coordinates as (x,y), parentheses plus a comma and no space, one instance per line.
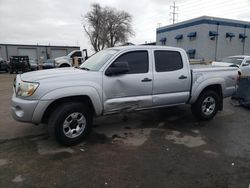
(119,67)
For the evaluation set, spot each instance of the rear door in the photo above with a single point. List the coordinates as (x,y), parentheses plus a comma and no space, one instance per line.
(132,90)
(172,80)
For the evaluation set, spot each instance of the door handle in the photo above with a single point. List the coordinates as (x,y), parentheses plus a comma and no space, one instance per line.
(146,80)
(182,77)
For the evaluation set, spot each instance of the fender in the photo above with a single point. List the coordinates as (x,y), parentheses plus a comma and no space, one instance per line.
(59,93)
(63,61)
(198,88)
(89,91)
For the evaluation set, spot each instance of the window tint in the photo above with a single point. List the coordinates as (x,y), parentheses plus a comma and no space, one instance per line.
(167,61)
(76,54)
(137,61)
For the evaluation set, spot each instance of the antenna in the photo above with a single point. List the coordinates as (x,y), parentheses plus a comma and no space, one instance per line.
(173,13)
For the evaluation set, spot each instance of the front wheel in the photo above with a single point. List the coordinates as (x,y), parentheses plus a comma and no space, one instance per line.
(206,106)
(64,65)
(70,123)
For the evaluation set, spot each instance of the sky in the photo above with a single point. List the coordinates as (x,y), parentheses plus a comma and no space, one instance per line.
(59,22)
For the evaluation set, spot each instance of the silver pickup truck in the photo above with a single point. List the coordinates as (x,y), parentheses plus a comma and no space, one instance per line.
(117,80)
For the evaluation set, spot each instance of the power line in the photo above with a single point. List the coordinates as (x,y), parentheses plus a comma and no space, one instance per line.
(173,14)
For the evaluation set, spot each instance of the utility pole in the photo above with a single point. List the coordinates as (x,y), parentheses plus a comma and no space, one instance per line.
(173,13)
(158,25)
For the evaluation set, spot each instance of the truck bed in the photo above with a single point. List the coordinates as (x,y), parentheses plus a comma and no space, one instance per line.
(225,76)
(209,68)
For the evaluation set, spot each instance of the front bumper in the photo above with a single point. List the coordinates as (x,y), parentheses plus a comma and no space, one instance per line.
(22,110)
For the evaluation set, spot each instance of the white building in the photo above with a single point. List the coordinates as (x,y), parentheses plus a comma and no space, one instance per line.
(35,51)
(207,38)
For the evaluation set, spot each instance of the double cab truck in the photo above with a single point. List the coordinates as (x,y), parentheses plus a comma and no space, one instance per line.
(115,80)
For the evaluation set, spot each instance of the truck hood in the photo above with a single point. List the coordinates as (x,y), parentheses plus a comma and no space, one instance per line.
(59,74)
(61,58)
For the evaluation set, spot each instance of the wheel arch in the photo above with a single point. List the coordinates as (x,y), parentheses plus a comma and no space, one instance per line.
(216,88)
(64,65)
(80,99)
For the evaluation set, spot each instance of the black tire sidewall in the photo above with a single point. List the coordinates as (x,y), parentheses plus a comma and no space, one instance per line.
(55,124)
(197,107)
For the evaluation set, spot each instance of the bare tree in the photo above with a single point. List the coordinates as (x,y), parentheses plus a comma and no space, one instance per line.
(106,27)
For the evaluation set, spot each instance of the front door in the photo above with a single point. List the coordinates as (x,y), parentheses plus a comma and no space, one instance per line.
(131,90)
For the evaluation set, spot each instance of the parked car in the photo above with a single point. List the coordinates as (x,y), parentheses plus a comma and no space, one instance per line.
(120,79)
(242,62)
(49,64)
(3,65)
(19,63)
(33,64)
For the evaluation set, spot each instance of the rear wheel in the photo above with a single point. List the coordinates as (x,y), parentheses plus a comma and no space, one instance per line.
(206,106)
(70,123)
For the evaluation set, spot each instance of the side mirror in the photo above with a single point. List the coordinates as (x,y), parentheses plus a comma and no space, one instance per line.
(120,67)
(245,64)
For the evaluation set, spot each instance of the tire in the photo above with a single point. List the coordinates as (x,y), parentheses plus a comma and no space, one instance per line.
(11,71)
(206,106)
(74,116)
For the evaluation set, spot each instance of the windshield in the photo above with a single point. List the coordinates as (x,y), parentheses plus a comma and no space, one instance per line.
(234,60)
(95,62)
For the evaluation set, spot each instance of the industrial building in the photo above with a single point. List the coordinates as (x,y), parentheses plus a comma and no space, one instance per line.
(38,52)
(207,38)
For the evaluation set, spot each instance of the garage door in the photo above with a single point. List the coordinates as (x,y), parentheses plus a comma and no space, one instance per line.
(58,53)
(31,52)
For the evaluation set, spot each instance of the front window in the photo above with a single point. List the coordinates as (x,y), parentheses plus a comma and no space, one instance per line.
(234,60)
(95,62)
(76,54)
(137,61)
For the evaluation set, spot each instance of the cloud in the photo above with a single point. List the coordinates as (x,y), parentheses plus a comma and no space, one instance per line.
(58,22)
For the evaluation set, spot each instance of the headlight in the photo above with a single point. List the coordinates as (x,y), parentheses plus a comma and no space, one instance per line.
(26,89)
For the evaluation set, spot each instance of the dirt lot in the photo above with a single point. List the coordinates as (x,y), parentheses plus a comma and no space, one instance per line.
(158,148)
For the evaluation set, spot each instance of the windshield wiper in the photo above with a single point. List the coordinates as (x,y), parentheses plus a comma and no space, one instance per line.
(85,68)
